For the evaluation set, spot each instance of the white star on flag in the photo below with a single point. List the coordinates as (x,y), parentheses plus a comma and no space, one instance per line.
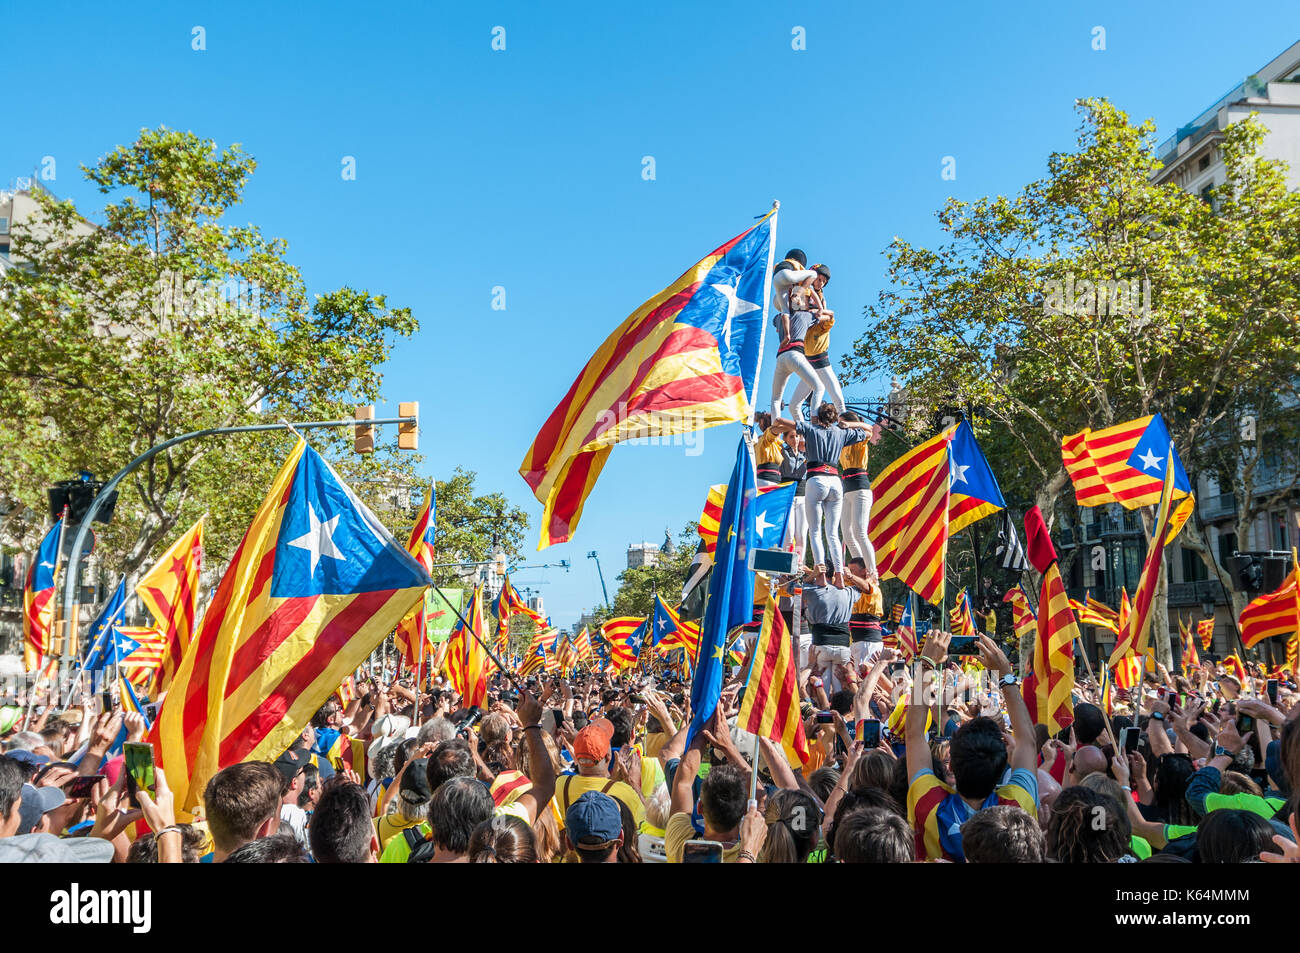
(761,524)
(319,539)
(1150,461)
(959,472)
(736,306)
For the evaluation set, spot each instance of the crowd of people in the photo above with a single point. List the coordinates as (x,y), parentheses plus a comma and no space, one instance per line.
(924,759)
(908,759)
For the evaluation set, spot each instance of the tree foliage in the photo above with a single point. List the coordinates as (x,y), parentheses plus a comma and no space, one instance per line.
(1033,308)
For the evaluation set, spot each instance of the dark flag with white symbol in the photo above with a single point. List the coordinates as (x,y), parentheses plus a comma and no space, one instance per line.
(1010,553)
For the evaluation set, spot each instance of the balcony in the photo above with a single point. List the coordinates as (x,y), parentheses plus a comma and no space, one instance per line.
(1185,594)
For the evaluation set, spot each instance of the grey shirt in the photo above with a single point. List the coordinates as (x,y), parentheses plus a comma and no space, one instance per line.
(800,322)
(824,444)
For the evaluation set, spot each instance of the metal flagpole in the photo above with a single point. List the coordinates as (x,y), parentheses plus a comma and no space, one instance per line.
(767,296)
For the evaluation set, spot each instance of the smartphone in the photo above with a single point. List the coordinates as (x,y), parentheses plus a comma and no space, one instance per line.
(825,718)
(1272,692)
(81,786)
(1129,738)
(702,852)
(139,769)
(1245,723)
(106,701)
(963,645)
(1215,705)
(870,732)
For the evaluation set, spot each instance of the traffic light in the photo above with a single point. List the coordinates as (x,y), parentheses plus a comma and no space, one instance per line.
(408,435)
(364,441)
(77,495)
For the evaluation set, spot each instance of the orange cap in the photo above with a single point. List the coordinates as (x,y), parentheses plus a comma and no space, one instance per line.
(592,742)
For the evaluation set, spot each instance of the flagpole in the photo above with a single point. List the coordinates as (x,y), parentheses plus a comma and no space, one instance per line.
(767,296)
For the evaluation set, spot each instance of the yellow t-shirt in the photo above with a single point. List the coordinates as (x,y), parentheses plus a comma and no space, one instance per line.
(570,787)
(854,456)
(768,448)
(389,826)
(818,338)
(679,831)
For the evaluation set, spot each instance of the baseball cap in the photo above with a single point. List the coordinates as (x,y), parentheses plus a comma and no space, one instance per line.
(46,849)
(291,762)
(29,758)
(593,820)
(592,742)
(35,802)
(415,783)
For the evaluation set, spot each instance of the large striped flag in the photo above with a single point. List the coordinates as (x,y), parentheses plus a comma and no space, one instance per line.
(770,707)
(1205,629)
(467,658)
(974,492)
(412,637)
(909,517)
(1057,632)
(313,588)
(685,360)
(1274,613)
(1135,636)
(170,591)
(1092,612)
(38,600)
(1107,691)
(625,636)
(1293,655)
(1124,464)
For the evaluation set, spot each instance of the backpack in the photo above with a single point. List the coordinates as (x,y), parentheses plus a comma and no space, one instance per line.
(422,848)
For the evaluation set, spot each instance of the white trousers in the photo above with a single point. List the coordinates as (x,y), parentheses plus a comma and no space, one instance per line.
(825,658)
(856,523)
(788,363)
(827,382)
(823,497)
(864,653)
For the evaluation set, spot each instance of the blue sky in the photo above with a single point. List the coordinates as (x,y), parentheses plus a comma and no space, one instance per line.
(522,168)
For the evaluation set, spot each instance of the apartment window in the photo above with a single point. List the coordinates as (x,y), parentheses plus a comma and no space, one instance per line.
(1204,163)
(4,225)
(1227,546)
(1280,539)
(1207,196)
(1193,567)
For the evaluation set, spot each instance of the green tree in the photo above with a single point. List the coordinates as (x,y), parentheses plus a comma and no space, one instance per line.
(1026,309)
(166,318)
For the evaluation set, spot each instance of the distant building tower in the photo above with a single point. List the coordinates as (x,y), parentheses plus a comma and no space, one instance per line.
(535,603)
(642,554)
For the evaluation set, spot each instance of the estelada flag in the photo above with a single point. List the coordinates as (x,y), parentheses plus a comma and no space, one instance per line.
(1124,464)
(712,512)
(909,517)
(411,637)
(38,600)
(770,707)
(170,591)
(625,636)
(685,360)
(313,588)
